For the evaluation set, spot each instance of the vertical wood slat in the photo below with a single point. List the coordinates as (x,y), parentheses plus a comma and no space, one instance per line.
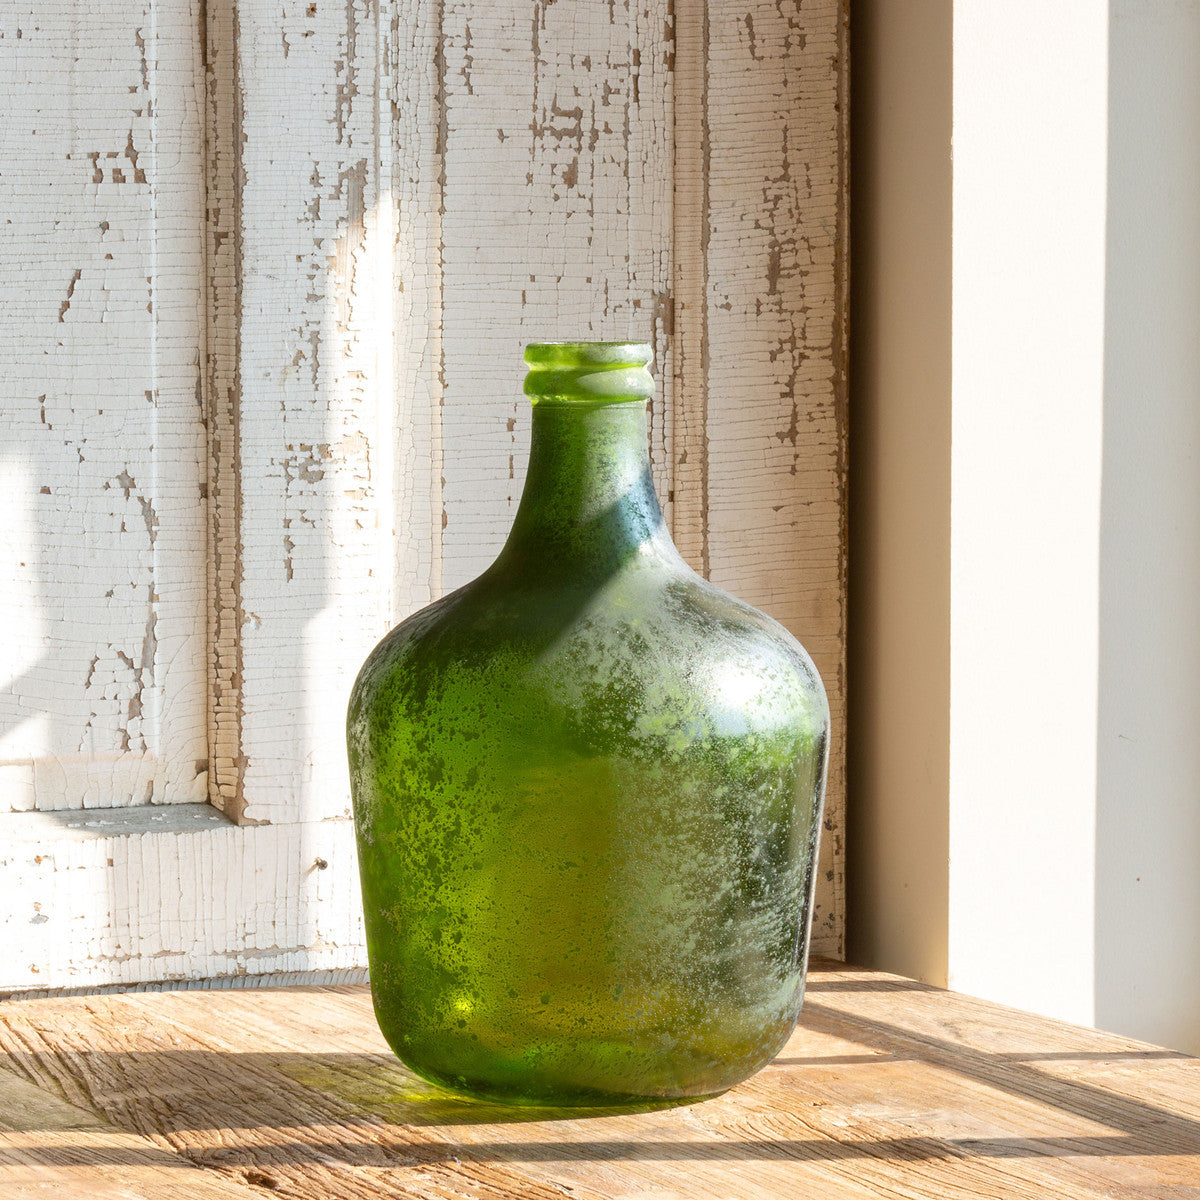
(102,698)
(222,247)
(310,573)
(411,136)
(689,244)
(556,225)
(760,256)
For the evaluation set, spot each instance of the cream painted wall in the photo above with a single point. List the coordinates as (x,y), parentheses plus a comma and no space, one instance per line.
(1035,576)
(1148,802)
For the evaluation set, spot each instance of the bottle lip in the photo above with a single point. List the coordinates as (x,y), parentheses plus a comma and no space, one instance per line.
(588,372)
(589,354)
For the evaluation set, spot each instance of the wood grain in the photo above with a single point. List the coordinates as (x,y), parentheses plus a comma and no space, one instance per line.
(888,1088)
(556,224)
(47,1144)
(306,532)
(119,907)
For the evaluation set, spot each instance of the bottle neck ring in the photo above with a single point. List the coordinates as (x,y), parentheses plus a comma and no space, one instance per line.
(588,372)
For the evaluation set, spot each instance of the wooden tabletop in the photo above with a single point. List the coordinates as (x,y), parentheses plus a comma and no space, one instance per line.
(888,1088)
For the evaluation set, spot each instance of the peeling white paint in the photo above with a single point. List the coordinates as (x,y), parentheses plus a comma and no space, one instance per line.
(178,904)
(774,425)
(101,307)
(397,196)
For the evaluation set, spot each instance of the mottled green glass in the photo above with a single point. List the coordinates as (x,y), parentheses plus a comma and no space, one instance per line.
(588,789)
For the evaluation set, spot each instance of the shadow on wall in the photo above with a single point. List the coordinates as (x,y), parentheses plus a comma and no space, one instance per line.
(1148,748)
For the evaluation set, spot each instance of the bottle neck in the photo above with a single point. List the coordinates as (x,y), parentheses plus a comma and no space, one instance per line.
(589,505)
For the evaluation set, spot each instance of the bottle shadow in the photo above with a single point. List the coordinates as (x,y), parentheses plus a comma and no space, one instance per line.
(384,1087)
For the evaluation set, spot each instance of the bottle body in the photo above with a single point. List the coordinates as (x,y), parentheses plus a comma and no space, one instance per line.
(587,792)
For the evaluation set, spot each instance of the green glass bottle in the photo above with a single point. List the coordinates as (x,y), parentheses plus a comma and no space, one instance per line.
(587,789)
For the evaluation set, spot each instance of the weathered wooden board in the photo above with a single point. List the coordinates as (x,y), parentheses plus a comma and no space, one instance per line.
(102,692)
(557,224)
(887,1088)
(185,895)
(760,257)
(301,549)
(397,196)
(46,1143)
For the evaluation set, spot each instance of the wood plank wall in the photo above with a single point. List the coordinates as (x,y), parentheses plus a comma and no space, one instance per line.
(399,195)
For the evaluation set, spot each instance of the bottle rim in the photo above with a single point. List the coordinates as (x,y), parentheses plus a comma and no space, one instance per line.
(589,354)
(588,372)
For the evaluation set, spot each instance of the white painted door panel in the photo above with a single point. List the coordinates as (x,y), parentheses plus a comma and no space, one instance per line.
(388,200)
(102,546)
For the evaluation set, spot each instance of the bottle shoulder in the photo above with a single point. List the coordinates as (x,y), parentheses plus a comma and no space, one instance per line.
(654,629)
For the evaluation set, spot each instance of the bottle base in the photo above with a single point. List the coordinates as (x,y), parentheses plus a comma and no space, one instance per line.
(535,1096)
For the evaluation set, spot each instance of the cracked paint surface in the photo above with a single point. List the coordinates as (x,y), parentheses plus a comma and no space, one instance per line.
(266,241)
(103,701)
